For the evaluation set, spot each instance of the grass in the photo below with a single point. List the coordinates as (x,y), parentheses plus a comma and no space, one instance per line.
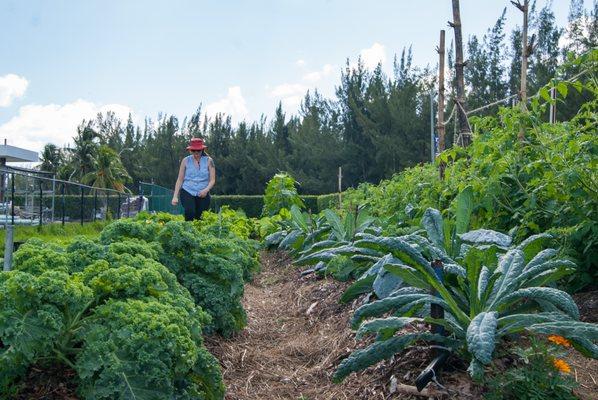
(54,232)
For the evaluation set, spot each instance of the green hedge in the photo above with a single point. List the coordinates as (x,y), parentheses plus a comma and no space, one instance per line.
(327,201)
(311,202)
(253,204)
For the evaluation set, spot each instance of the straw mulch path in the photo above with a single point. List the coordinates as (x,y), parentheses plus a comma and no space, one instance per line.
(296,336)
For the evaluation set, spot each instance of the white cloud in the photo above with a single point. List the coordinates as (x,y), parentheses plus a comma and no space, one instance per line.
(373,55)
(11,87)
(233,104)
(289,94)
(315,76)
(35,125)
(288,89)
(300,63)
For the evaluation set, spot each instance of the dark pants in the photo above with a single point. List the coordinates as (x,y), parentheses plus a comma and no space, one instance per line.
(194,205)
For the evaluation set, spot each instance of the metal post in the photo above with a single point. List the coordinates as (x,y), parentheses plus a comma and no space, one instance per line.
(8,247)
(81,205)
(118,209)
(95,204)
(41,201)
(432,144)
(12,199)
(128,206)
(63,204)
(53,194)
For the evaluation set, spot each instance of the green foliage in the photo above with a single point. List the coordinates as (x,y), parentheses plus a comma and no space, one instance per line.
(209,268)
(533,377)
(281,193)
(111,312)
(252,205)
(548,183)
(225,221)
(54,233)
(340,267)
(484,297)
(145,350)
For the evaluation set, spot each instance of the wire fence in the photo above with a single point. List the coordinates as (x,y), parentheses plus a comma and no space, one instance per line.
(31,197)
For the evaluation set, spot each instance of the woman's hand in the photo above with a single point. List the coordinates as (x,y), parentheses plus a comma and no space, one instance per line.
(204,193)
(174,201)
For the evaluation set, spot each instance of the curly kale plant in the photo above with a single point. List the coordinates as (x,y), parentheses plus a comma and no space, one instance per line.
(212,268)
(490,289)
(205,267)
(112,313)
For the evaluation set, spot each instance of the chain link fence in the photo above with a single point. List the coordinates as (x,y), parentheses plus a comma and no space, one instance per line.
(30,197)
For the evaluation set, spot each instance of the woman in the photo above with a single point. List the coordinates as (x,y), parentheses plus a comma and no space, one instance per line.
(197,176)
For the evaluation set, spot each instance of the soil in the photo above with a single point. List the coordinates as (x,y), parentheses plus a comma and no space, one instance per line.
(55,382)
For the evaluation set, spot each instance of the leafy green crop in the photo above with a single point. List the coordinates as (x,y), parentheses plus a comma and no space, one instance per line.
(490,290)
(281,193)
(111,312)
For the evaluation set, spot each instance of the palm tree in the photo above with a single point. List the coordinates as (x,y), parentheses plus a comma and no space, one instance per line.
(52,158)
(84,151)
(107,171)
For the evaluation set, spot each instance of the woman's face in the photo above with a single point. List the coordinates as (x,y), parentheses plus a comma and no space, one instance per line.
(196,153)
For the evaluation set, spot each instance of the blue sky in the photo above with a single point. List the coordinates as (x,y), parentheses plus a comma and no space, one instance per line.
(62,61)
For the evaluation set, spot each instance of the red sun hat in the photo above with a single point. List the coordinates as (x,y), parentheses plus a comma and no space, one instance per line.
(196,144)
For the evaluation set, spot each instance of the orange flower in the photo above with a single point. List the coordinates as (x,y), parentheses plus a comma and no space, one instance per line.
(559,340)
(561,365)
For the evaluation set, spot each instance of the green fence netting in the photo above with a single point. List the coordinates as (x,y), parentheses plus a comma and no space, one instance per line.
(159,198)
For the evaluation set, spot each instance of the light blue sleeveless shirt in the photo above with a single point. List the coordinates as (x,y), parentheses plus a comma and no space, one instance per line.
(196,179)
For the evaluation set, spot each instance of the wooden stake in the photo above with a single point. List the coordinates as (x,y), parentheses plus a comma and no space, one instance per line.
(525,53)
(340,186)
(464,130)
(440,119)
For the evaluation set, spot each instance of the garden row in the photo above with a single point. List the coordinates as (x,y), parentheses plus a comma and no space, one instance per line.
(127,312)
(517,232)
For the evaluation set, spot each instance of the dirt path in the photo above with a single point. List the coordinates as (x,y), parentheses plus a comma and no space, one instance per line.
(295,336)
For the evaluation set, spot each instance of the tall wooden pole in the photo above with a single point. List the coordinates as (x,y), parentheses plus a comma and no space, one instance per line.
(440,119)
(525,53)
(464,130)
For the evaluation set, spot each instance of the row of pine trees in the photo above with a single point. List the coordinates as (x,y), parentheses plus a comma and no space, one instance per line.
(376,124)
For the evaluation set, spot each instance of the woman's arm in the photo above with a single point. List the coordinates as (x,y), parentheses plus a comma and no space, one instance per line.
(212,182)
(179,183)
